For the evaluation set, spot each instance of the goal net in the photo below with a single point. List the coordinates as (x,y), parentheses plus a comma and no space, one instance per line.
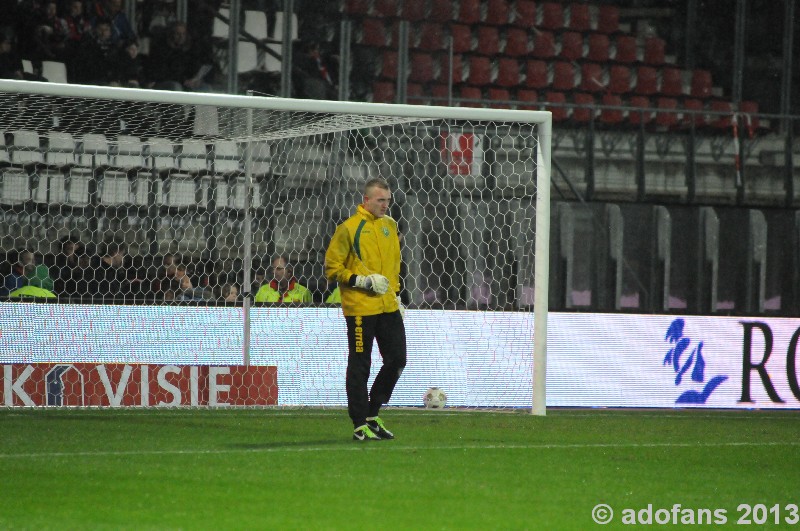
(139,228)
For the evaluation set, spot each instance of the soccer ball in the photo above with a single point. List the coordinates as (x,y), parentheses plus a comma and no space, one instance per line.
(434,398)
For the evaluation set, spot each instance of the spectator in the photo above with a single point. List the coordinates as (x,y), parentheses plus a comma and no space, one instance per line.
(177,66)
(49,35)
(165,273)
(283,287)
(68,270)
(75,26)
(37,275)
(10,63)
(111,11)
(108,278)
(16,277)
(229,293)
(128,67)
(316,76)
(95,61)
(335,296)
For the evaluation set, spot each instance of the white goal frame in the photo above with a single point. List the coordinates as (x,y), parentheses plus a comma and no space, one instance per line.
(543,120)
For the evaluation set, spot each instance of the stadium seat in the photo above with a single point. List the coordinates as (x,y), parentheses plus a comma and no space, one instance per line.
(193,157)
(611,116)
(462,38)
(671,82)
(592,78)
(598,48)
(441,12)
(219,30)
(373,33)
(544,46)
(563,76)
(431,36)
(469,11)
(750,110)
(579,19)
(701,84)
(60,150)
(619,79)
(413,11)
(516,42)
(666,119)
(641,112)
(440,94)
(528,96)
(507,72)
(383,92)
(646,81)
(225,159)
(488,40)
(389,62)
(498,95)
(626,49)
(722,122)
(422,70)
(471,93)
(357,7)
(584,108)
(497,12)
(551,16)
(277,30)
(560,111)
(255,23)
(608,19)
(480,71)
(129,154)
(654,51)
(24,149)
(93,151)
(247,58)
(524,14)
(571,46)
(457,68)
(415,94)
(697,117)
(536,74)
(54,71)
(27,66)
(161,155)
(387,8)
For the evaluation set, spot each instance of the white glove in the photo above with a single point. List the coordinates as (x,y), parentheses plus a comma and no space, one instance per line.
(401,307)
(376,283)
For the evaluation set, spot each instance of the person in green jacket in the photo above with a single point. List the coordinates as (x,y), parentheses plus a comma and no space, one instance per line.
(283,287)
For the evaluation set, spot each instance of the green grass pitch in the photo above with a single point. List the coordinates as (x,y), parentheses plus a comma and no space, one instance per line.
(298,469)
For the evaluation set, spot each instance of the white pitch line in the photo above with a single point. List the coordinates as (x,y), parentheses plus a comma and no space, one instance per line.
(381,446)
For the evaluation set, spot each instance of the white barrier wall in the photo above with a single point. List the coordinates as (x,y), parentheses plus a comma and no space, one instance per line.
(594,360)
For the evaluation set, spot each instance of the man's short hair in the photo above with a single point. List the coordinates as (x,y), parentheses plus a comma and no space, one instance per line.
(376,182)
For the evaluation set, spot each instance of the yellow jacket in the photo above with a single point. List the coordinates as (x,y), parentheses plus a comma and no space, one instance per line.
(364,245)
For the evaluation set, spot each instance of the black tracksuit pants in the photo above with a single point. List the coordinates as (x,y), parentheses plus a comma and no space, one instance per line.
(389,331)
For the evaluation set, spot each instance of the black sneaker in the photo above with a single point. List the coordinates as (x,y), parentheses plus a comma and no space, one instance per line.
(363,433)
(379,428)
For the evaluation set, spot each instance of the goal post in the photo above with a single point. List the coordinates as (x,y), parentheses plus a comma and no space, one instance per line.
(219,185)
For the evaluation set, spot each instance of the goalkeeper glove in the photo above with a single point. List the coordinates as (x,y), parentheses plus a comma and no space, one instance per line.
(401,307)
(376,283)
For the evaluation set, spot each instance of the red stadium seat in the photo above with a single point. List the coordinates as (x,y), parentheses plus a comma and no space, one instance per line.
(441,12)
(552,16)
(422,70)
(612,116)
(536,74)
(698,117)
(469,11)
(431,37)
(598,48)
(471,93)
(457,68)
(462,38)
(525,11)
(497,95)
(750,109)
(560,112)
(439,93)
(667,119)
(389,65)
(671,81)
(507,72)
(480,71)
(723,121)
(563,76)
(357,7)
(497,12)
(619,79)
(571,46)
(579,19)
(413,11)
(415,95)
(544,45)
(373,33)
(528,96)
(386,8)
(641,112)
(701,84)
(592,78)
(516,42)
(383,92)
(646,81)
(488,40)
(608,19)
(584,107)
(654,51)
(626,49)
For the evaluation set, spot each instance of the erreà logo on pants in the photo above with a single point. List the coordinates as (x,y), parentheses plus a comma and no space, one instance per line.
(122,385)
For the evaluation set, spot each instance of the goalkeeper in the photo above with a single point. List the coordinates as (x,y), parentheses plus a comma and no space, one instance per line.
(364,258)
